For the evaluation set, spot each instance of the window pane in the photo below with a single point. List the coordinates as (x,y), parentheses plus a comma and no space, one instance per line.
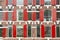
(58,15)
(37,2)
(47,15)
(20,14)
(29,16)
(0,32)
(29,2)
(19,31)
(29,30)
(10,30)
(38,30)
(37,15)
(9,2)
(47,31)
(10,16)
(1,16)
(19,2)
(47,2)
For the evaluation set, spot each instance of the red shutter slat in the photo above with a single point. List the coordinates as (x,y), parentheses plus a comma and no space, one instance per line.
(25,2)
(25,30)
(14,31)
(42,31)
(14,15)
(5,16)
(6,2)
(53,31)
(4,32)
(25,15)
(41,2)
(53,2)
(53,14)
(33,16)
(14,2)
(41,15)
(33,2)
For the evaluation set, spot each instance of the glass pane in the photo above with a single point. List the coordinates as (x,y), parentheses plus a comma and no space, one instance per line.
(1,16)
(10,31)
(20,14)
(47,31)
(47,2)
(29,30)
(47,15)
(9,2)
(38,30)
(29,2)
(19,31)
(29,16)
(37,15)
(10,16)
(37,2)
(0,32)
(19,2)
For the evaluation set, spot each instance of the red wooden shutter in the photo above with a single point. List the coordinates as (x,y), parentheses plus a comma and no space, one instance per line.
(25,15)
(25,30)
(14,2)
(14,31)
(41,15)
(14,15)
(25,2)
(42,31)
(5,16)
(53,2)
(53,14)
(53,31)
(6,2)
(41,2)
(33,2)
(4,32)
(33,16)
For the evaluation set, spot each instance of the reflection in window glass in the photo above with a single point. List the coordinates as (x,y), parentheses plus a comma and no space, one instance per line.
(19,31)
(37,2)
(47,31)
(37,15)
(20,14)
(10,31)
(58,15)
(38,30)
(0,32)
(19,2)
(9,2)
(58,31)
(47,2)
(29,30)
(29,15)
(29,2)
(47,15)
(1,15)
(9,16)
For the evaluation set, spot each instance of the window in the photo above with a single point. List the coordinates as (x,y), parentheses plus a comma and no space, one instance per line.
(20,14)
(19,31)
(38,30)
(29,15)
(58,30)
(19,2)
(58,15)
(47,2)
(29,2)
(29,30)
(0,32)
(9,2)
(37,2)
(37,15)
(9,16)
(47,15)
(1,16)
(47,31)
(57,2)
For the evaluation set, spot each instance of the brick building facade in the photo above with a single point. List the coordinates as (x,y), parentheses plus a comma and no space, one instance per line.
(30,19)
